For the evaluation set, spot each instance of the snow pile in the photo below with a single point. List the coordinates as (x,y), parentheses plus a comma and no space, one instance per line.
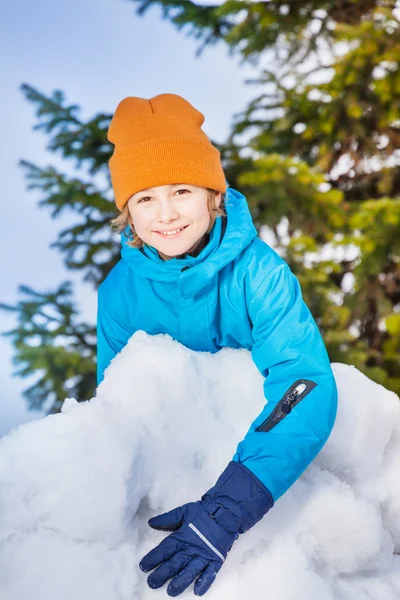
(76,489)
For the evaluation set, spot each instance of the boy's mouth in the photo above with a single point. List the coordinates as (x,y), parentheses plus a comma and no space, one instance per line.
(172,233)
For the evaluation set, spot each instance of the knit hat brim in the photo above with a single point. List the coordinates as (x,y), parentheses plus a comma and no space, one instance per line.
(162,162)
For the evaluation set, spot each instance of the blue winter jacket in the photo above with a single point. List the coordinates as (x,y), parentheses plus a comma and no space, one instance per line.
(238,293)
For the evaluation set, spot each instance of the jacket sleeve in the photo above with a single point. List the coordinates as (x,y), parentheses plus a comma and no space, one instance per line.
(112,332)
(299,384)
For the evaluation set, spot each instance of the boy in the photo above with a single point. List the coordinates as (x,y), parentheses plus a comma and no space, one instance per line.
(193,267)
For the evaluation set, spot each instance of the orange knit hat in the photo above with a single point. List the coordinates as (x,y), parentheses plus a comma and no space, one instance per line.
(159,142)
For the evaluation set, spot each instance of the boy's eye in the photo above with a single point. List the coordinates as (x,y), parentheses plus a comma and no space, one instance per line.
(147,198)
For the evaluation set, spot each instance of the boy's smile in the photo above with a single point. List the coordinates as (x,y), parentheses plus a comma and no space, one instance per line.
(172,233)
(171,218)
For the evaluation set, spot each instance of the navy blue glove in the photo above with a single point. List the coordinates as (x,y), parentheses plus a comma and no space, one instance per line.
(204,531)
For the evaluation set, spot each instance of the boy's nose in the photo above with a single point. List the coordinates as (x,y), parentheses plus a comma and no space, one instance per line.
(167,212)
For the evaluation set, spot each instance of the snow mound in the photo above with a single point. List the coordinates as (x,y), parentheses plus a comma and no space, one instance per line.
(77,488)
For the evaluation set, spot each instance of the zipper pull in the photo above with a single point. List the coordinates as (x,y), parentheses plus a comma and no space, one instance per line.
(287,403)
(286,406)
(297,391)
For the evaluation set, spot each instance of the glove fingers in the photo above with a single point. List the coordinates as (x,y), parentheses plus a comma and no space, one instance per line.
(168,521)
(168,569)
(160,553)
(187,576)
(206,578)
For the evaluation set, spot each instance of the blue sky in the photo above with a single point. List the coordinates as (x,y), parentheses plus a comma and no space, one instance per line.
(97,53)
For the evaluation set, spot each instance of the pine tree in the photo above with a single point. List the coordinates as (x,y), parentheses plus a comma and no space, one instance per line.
(315,152)
(49,341)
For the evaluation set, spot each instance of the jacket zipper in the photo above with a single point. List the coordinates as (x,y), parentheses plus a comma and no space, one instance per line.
(297,391)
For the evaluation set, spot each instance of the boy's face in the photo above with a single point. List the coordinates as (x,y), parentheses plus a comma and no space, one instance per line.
(171,218)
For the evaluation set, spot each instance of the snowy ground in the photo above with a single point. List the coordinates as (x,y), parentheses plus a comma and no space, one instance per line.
(76,489)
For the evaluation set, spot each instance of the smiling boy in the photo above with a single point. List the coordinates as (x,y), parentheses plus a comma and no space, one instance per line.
(176,219)
(193,267)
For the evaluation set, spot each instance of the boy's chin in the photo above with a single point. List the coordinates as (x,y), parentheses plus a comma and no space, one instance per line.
(178,250)
(174,252)
(171,249)
(178,247)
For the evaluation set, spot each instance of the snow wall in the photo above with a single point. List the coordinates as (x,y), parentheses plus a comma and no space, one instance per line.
(77,488)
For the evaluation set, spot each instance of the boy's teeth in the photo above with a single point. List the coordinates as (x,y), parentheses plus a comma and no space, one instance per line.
(172,232)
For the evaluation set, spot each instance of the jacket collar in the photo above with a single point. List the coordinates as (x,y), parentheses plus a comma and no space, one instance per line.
(192,273)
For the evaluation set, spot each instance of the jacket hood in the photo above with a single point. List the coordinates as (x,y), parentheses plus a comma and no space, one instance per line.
(192,273)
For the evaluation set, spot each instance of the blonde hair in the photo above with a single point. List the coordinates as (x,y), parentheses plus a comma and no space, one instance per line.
(124,219)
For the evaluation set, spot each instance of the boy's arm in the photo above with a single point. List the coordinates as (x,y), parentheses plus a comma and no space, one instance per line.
(299,386)
(283,440)
(112,333)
